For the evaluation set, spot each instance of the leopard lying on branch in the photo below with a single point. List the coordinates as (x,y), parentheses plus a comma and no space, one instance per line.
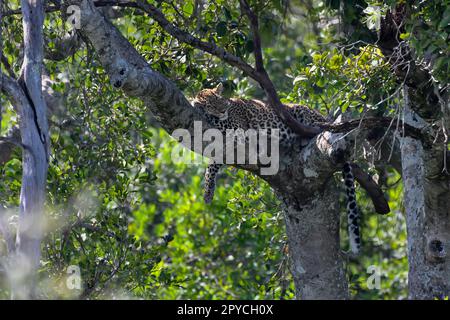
(224,113)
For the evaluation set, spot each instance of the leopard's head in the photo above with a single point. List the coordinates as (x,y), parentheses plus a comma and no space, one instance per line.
(212,102)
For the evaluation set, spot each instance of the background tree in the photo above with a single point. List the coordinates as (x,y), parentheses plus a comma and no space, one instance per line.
(134,222)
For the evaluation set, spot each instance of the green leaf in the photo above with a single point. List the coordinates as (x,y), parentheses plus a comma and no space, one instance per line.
(227,13)
(188,8)
(249,46)
(221,28)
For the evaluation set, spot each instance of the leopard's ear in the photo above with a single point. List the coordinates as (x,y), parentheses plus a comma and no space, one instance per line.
(219,88)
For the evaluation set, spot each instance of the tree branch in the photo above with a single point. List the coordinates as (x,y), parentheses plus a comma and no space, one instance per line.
(53,100)
(8,144)
(189,39)
(254,24)
(305,173)
(379,122)
(127,70)
(372,188)
(11,88)
(260,76)
(418,79)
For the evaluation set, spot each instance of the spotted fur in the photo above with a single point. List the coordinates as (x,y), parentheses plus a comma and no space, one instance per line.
(224,113)
(352,209)
(210,181)
(246,114)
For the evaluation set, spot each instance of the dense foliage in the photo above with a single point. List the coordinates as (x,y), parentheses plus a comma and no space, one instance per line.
(133,220)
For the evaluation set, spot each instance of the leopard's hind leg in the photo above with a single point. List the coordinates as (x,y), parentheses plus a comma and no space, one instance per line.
(210,181)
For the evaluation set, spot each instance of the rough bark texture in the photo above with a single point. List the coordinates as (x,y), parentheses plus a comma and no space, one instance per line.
(427,206)
(35,138)
(425,180)
(306,187)
(312,226)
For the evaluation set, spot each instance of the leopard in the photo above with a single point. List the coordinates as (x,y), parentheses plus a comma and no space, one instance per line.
(236,113)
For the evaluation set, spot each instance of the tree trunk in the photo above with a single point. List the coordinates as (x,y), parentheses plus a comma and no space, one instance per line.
(312,226)
(35,141)
(427,206)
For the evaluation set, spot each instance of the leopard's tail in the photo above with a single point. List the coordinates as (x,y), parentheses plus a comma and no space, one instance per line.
(353,216)
(210,181)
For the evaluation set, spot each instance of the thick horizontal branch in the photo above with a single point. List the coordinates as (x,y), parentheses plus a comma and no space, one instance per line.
(128,70)
(311,167)
(5,231)
(259,74)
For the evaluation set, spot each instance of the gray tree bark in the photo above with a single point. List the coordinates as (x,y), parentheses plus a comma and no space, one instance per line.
(312,227)
(306,187)
(426,180)
(35,138)
(427,206)
(20,269)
